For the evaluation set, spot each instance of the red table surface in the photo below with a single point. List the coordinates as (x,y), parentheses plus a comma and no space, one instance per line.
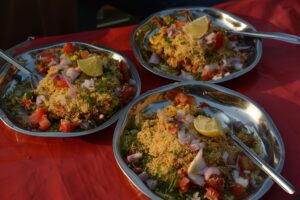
(85,167)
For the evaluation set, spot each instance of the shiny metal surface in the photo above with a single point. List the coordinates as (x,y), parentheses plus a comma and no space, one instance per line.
(9,80)
(270,35)
(218,17)
(263,165)
(236,106)
(34,77)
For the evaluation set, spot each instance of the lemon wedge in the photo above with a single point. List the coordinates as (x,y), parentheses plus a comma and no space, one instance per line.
(207,126)
(91,66)
(198,27)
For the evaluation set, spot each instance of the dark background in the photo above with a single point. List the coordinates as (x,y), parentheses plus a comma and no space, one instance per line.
(22,18)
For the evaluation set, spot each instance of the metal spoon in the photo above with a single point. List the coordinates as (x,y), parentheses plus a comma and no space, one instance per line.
(269,35)
(34,78)
(263,165)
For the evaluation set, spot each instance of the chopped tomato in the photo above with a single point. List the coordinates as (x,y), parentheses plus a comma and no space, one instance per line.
(66,126)
(84,54)
(124,71)
(220,38)
(171,94)
(184,99)
(44,53)
(127,93)
(179,24)
(48,59)
(237,190)
(181,172)
(44,123)
(173,130)
(207,74)
(203,104)
(69,48)
(60,82)
(245,163)
(37,115)
(216,182)
(42,68)
(26,102)
(212,194)
(183,184)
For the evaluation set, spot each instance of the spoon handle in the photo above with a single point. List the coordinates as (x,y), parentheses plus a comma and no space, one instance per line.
(13,62)
(263,165)
(270,35)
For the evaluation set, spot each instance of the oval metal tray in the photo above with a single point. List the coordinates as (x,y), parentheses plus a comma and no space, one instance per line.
(139,42)
(235,105)
(9,80)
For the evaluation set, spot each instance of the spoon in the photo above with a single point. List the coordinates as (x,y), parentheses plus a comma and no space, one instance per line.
(269,35)
(34,78)
(263,165)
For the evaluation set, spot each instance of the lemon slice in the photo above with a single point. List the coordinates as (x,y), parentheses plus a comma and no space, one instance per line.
(91,66)
(198,27)
(207,126)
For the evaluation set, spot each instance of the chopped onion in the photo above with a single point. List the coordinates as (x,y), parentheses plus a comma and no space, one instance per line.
(134,157)
(180,114)
(151,183)
(40,99)
(186,75)
(196,146)
(195,141)
(71,73)
(210,38)
(183,137)
(210,171)
(227,74)
(89,84)
(217,77)
(196,196)
(144,176)
(85,125)
(64,60)
(242,181)
(235,174)
(60,66)
(189,118)
(225,156)
(53,61)
(171,31)
(210,67)
(235,62)
(154,59)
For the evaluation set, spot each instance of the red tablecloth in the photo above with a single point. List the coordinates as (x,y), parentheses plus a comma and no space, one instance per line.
(85,167)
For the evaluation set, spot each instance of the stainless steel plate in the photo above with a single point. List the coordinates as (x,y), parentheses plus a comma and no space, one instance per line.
(139,42)
(9,79)
(235,105)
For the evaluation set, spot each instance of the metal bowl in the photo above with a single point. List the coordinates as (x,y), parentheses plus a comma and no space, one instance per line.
(140,39)
(9,79)
(235,105)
